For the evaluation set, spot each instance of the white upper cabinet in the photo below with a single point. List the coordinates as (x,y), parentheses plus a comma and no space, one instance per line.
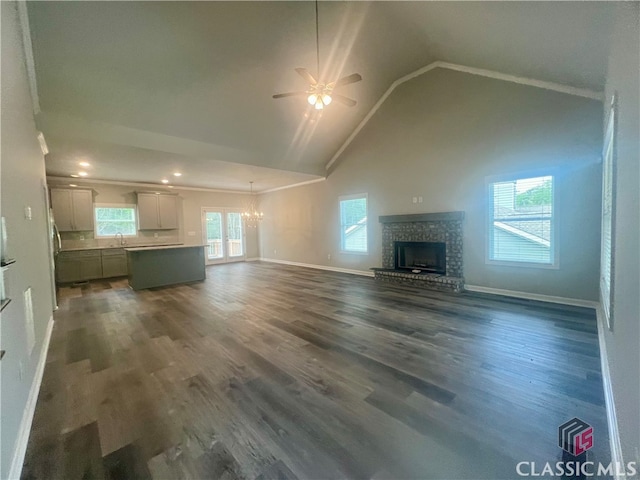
(72,209)
(157,212)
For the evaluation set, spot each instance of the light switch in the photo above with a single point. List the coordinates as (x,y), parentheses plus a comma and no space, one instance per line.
(415,199)
(191,234)
(419,199)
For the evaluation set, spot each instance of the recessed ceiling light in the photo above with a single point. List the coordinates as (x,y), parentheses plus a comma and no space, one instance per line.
(73,185)
(164,180)
(83,174)
(75,176)
(170,186)
(177,174)
(84,164)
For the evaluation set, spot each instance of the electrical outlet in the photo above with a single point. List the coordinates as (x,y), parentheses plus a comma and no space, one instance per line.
(155,235)
(81,237)
(415,199)
(191,234)
(419,199)
(27,213)
(275,251)
(328,256)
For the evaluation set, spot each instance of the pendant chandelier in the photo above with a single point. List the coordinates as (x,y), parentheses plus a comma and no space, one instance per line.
(251,215)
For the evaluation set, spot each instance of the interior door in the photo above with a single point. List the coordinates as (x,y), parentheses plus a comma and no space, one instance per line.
(223,235)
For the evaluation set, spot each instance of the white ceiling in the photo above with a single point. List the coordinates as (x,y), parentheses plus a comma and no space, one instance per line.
(140,89)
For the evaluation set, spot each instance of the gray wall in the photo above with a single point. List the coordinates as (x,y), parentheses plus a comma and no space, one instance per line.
(190,203)
(23,180)
(623,343)
(438,136)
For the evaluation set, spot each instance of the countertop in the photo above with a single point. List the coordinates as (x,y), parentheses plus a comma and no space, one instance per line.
(161,247)
(77,249)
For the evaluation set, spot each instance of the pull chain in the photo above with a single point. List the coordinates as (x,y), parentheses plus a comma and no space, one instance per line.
(317,44)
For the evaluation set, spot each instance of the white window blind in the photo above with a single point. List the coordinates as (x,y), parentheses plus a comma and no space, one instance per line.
(353,224)
(521,221)
(606,254)
(114,219)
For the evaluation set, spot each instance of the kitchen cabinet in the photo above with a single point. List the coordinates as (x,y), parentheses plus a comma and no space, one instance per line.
(114,263)
(157,211)
(82,265)
(72,209)
(78,266)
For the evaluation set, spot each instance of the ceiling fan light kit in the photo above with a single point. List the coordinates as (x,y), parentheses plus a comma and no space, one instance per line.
(320,95)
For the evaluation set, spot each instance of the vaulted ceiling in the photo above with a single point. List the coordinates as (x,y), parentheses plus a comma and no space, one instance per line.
(142,89)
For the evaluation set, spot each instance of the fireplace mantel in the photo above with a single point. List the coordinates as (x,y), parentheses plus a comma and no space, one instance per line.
(422,217)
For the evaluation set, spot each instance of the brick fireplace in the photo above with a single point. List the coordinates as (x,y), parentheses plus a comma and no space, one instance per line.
(443,229)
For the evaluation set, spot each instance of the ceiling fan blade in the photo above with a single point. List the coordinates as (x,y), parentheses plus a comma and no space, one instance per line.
(353,78)
(342,99)
(304,73)
(289,94)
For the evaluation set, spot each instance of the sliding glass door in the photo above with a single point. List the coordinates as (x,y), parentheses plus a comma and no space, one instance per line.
(223,235)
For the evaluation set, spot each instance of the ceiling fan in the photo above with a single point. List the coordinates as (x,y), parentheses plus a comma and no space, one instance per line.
(322,94)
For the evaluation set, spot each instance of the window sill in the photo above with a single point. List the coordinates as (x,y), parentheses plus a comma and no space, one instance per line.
(504,263)
(347,252)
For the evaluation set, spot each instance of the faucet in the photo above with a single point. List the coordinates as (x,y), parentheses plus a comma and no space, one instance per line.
(122,242)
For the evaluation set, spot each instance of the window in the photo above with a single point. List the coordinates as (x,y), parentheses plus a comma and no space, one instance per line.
(353,223)
(608,185)
(114,219)
(521,222)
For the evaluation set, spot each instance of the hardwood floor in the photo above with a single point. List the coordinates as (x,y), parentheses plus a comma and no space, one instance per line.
(266,371)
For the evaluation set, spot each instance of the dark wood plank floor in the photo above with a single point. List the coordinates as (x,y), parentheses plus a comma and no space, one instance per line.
(267,371)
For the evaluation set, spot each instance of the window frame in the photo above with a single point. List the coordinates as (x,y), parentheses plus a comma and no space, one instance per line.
(606,285)
(114,205)
(341,199)
(489,181)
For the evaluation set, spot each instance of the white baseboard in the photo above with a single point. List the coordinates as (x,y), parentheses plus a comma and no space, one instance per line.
(533,296)
(252,259)
(20,447)
(612,419)
(320,267)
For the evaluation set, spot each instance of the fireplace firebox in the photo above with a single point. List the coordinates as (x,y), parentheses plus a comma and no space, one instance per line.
(428,257)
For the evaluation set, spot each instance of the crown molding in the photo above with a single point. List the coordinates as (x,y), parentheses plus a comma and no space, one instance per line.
(23,17)
(154,186)
(307,182)
(556,87)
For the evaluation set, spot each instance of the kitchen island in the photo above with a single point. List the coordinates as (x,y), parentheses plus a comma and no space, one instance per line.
(160,266)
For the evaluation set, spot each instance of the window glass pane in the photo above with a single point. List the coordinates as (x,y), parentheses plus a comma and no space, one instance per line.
(234,234)
(111,221)
(521,227)
(353,225)
(214,234)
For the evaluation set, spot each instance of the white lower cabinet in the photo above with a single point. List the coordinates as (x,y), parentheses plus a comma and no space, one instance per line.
(82,265)
(114,263)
